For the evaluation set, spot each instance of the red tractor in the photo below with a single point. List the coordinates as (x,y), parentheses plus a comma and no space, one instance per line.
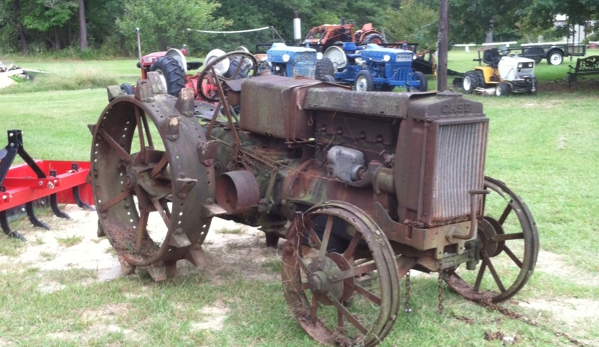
(172,68)
(326,35)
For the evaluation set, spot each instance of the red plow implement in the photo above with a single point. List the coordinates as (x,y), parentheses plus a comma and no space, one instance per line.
(56,181)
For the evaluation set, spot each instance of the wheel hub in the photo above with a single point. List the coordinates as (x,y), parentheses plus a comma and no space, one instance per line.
(490,228)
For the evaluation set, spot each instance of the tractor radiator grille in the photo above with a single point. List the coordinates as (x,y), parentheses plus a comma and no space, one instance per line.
(460,162)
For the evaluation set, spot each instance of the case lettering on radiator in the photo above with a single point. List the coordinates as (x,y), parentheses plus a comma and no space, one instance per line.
(455,108)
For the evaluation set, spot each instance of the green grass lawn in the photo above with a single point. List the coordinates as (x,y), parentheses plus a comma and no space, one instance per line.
(545,147)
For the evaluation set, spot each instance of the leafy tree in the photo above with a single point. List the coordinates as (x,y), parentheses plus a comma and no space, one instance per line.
(414,21)
(165,22)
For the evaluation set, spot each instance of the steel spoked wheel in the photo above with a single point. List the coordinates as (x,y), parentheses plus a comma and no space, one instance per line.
(239,65)
(509,249)
(146,189)
(340,277)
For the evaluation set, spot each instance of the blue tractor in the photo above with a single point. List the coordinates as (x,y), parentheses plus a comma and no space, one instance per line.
(294,61)
(375,68)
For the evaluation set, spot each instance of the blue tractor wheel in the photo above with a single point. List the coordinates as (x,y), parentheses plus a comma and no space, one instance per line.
(364,81)
(423,83)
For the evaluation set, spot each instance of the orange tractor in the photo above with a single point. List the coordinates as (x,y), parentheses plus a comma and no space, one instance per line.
(326,35)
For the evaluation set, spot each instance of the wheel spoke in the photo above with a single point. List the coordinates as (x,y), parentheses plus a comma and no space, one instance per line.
(479,276)
(506,237)
(325,241)
(105,206)
(115,146)
(141,229)
(368,295)
(158,167)
(148,133)
(512,256)
(356,271)
(314,308)
(303,265)
(161,211)
(350,318)
(301,287)
(314,238)
(493,272)
(505,213)
(140,133)
(349,252)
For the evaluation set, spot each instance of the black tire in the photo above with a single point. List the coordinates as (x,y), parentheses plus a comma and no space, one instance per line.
(501,90)
(555,57)
(470,82)
(371,38)
(364,81)
(324,67)
(481,79)
(327,78)
(171,73)
(127,89)
(423,83)
(243,72)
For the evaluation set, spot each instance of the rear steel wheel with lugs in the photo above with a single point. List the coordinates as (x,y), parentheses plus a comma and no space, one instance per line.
(342,293)
(509,248)
(147,181)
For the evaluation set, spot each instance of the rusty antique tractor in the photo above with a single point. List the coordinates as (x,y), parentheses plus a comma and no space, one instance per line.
(364,187)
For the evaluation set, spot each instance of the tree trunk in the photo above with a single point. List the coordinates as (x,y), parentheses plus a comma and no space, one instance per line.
(22,37)
(57,45)
(82,27)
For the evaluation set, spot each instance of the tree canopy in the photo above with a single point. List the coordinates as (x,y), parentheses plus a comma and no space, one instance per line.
(108,26)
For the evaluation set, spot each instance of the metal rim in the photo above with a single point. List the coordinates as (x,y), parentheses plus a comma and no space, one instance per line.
(556,58)
(467,83)
(318,285)
(207,81)
(361,84)
(510,231)
(498,90)
(162,78)
(136,177)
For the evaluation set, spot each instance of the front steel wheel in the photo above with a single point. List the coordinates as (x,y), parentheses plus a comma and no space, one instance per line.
(341,293)
(509,248)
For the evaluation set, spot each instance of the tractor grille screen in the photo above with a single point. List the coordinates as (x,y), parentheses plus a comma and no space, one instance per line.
(304,64)
(459,168)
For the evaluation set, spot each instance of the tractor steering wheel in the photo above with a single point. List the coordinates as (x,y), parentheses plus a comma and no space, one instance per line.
(238,65)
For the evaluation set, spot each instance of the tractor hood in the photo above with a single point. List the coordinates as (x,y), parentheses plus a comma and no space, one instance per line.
(513,68)
(376,53)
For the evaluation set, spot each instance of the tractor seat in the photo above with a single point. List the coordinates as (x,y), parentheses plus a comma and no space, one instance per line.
(491,57)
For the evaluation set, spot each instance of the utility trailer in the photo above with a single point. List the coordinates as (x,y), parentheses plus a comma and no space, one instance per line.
(554,53)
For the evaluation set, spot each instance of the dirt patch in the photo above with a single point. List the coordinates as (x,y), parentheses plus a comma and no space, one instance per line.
(554,264)
(213,317)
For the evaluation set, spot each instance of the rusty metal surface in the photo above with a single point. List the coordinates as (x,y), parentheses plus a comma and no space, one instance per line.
(237,191)
(122,163)
(402,184)
(324,285)
(439,158)
(272,105)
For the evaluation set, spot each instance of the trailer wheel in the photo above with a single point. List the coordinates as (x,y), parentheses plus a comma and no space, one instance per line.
(171,74)
(509,245)
(423,83)
(374,38)
(555,57)
(324,67)
(342,292)
(364,81)
(470,82)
